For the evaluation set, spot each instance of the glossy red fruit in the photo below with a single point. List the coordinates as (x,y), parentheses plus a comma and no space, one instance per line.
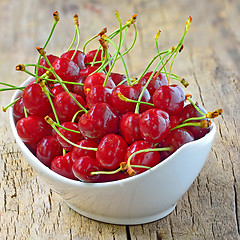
(79,152)
(98,94)
(66,69)
(90,57)
(149,159)
(100,120)
(66,107)
(48,148)
(78,57)
(129,127)
(87,71)
(43,63)
(190,111)
(78,89)
(63,166)
(71,136)
(111,151)
(117,78)
(169,98)
(97,79)
(176,139)
(36,101)
(32,129)
(130,92)
(156,82)
(154,125)
(113,177)
(83,167)
(57,89)
(18,109)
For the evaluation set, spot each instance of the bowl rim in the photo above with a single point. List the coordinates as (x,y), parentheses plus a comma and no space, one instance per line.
(77,183)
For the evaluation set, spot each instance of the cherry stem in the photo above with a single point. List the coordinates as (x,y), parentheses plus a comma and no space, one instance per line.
(106,172)
(45,90)
(67,129)
(74,38)
(123,98)
(60,81)
(195,106)
(12,88)
(56,20)
(75,115)
(4,109)
(118,49)
(124,64)
(76,23)
(201,124)
(52,123)
(25,112)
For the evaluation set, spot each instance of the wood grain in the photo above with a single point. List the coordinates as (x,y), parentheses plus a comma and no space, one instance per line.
(210,62)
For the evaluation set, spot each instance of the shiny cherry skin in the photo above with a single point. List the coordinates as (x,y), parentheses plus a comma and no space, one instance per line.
(83,167)
(130,92)
(154,125)
(117,77)
(43,63)
(36,101)
(169,98)
(91,55)
(97,79)
(129,127)
(155,82)
(87,71)
(189,111)
(66,107)
(111,151)
(63,166)
(32,129)
(100,120)
(18,109)
(71,136)
(79,152)
(48,148)
(176,138)
(98,94)
(78,57)
(112,177)
(66,69)
(78,89)
(57,89)
(149,159)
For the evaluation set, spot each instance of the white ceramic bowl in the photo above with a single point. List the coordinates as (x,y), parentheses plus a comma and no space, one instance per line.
(140,199)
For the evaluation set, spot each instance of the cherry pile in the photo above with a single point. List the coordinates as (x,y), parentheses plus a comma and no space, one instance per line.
(86,122)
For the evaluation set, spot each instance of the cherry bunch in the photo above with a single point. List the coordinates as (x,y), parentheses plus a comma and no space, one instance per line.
(86,122)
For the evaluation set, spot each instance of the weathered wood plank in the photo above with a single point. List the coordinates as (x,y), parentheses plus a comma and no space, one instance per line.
(210,62)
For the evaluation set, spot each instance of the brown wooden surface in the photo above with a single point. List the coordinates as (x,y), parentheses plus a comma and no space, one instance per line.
(210,62)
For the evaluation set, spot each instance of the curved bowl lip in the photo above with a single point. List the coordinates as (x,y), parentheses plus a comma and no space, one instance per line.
(75,183)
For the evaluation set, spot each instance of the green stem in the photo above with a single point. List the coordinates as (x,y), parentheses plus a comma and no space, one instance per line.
(10,104)
(74,38)
(195,106)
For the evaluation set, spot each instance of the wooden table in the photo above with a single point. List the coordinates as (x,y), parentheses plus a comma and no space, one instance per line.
(210,62)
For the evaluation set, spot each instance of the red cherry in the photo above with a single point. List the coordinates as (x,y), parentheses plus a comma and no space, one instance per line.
(32,129)
(111,151)
(154,125)
(149,159)
(117,78)
(129,127)
(91,55)
(43,63)
(47,149)
(87,71)
(63,166)
(112,177)
(78,89)
(98,94)
(188,112)
(79,152)
(169,98)
(154,83)
(97,79)
(66,107)
(99,121)
(57,89)
(18,109)
(176,139)
(36,101)
(66,69)
(130,92)
(83,167)
(78,57)
(71,136)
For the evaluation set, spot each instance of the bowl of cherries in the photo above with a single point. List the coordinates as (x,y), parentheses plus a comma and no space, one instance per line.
(118,149)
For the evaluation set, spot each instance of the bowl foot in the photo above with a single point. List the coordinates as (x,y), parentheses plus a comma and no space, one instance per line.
(122,221)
